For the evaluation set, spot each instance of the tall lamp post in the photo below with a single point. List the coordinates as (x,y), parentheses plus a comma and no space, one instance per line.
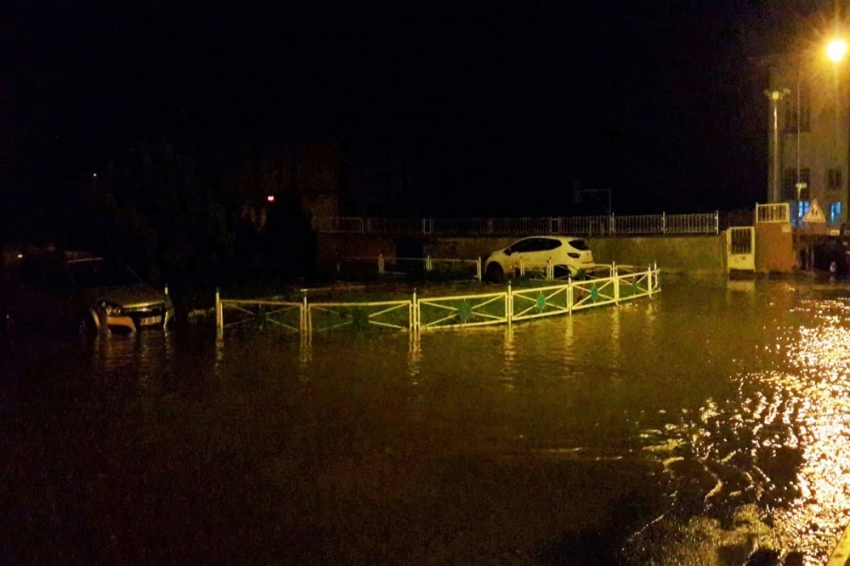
(775,97)
(835,52)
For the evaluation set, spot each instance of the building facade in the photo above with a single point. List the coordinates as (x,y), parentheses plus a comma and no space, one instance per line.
(809,137)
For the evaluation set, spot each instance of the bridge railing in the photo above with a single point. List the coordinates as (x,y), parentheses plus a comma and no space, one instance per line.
(611,225)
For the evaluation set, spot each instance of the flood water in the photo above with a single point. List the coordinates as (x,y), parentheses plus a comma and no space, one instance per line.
(690,428)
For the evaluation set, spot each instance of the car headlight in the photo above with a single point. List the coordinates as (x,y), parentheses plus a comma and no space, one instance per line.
(111,309)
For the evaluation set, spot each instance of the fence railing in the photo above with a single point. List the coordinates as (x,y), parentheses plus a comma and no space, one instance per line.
(645,224)
(622,283)
(776,212)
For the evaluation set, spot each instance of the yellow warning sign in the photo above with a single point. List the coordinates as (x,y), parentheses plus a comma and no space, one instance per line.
(814,215)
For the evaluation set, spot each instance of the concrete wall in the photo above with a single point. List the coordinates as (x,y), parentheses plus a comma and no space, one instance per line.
(692,254)
(775,248)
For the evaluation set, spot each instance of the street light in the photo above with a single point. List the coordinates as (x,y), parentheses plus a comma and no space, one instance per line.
(836,50)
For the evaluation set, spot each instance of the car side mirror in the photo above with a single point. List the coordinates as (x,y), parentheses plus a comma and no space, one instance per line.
(509,251)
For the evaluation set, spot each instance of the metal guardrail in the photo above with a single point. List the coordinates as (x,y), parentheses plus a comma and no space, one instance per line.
(646,224)
(416,314)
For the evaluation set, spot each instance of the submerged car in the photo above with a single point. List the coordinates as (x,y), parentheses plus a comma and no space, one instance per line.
(85,293)
(568,255)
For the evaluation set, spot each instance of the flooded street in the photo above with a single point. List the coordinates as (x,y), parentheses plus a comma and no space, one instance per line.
(689,428)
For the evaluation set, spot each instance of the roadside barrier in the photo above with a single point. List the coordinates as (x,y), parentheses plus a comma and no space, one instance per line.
(416,314)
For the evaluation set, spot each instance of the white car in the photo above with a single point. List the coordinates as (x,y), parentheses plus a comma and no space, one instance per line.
(568,255)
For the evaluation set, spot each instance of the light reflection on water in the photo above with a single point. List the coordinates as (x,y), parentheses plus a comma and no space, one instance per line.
(710,397)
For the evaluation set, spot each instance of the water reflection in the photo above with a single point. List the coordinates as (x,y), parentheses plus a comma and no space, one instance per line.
(723,400)
(615,342)
(780,441)
(414,357)
(509,369)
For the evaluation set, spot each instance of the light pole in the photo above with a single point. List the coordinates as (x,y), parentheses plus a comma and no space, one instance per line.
(835,52)
(775,97)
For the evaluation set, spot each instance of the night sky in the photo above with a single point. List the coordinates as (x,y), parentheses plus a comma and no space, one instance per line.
(496,106)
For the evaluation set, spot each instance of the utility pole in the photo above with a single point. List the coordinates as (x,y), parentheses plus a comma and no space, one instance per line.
(775,97)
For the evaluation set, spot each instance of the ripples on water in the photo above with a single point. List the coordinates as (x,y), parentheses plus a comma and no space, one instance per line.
(687,429)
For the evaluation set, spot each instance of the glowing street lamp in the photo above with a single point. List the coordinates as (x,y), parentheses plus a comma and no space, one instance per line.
(836,50)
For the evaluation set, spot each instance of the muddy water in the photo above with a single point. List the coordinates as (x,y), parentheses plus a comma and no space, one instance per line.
(692,428)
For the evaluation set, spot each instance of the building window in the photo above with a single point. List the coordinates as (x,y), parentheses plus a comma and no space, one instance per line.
(790,191)
(802,209)
(835,212)
(834,179)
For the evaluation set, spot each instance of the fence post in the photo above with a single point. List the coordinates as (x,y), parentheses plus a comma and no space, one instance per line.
(219,314)
(428,265)
(612,225)
(303,326)
(569,294)
(414,307)
(716,221)
(649,279)
(478,269)
(663,222)
(616,279)
(550,272)
(381,264)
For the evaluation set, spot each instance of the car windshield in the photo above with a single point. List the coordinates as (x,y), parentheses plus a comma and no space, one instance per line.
(91,273)
(579,245)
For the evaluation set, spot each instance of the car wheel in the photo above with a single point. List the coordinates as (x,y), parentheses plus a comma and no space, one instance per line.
(495,273)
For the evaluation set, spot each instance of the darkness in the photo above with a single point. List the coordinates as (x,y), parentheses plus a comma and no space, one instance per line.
(494,106)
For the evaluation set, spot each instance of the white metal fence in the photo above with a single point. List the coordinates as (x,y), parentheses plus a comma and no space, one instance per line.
(776,212)
(645,224)
(621,283)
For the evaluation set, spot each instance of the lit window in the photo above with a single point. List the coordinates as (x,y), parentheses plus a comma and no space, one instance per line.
(802,209)
(834,179)
(790,181)
(835,212)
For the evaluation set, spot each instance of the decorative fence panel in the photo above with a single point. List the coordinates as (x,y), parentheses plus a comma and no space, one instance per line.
(463,310)
(621,283)
(397,315)
(595,293)
(540,302)
(261,313)
(634,284)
